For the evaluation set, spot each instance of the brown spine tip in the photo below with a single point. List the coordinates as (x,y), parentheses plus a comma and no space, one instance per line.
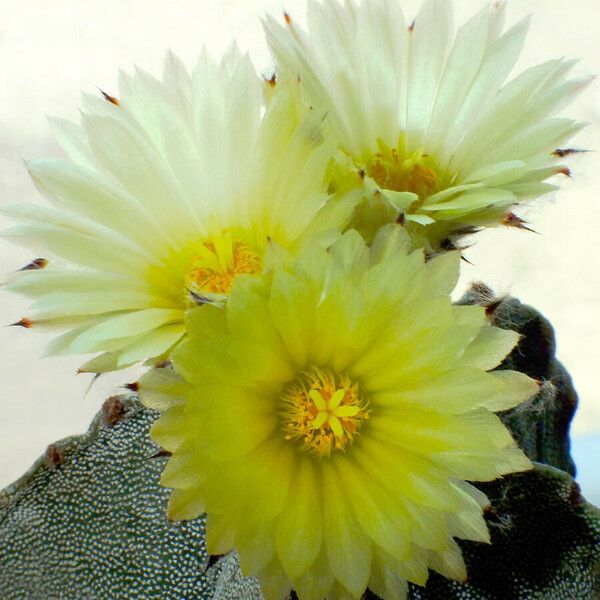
(160,453)
(448,245)
(411,27)
(512,220)
(362,174)
(134,387)
(490,309)
(53,456)
(401,219)
(564,171)
(38,263)
(272,81)
(110,98)
(287,17)
(24,322)
(113,410)
(562,152)
(165,364)
(484,296)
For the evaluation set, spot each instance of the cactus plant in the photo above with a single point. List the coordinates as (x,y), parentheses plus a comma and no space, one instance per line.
(88,520)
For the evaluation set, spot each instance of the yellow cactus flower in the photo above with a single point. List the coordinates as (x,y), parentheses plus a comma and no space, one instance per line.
(424,115)
(171,192)
(329,418)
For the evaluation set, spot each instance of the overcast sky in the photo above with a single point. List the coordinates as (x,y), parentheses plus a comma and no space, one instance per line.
(50,50)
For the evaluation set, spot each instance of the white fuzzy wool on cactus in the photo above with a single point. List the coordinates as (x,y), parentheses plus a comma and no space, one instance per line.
(171,191)
(425,116)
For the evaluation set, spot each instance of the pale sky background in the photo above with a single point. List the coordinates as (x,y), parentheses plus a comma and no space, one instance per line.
(50,50)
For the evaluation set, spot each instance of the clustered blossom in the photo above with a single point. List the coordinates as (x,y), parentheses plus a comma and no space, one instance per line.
(425,116)
(332,417)
(282,253)
(170,193)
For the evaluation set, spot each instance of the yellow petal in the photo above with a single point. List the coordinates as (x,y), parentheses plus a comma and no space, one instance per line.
(382,518)
(450,563)
(348,548)
(317,582)
(170,429)
(185,505)
(489,348)
(161,388)
(300,525)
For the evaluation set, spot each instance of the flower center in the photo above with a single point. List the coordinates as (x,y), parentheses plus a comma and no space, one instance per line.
(216,264)
(395,169)
(322,411)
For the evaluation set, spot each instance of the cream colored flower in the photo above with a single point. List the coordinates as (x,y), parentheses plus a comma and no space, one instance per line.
(426,116)
(331,415)
(171,192)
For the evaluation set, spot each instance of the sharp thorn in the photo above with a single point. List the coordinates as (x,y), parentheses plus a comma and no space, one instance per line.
(512,220)
(92,382)
(162,452)
(562,152)
(24,322)
(38,263)
(110,98)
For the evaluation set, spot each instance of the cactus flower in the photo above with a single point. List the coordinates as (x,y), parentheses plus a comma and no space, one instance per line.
(331,416)
(172,191)
(424,116)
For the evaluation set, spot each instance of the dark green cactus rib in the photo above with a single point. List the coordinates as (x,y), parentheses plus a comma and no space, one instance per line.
(87,522)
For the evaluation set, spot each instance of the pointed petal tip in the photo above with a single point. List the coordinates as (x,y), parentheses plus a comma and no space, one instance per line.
(170,55)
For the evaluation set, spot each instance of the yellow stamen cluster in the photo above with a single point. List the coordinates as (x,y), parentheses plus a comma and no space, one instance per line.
(394,169)
(323,411)
(217,263)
